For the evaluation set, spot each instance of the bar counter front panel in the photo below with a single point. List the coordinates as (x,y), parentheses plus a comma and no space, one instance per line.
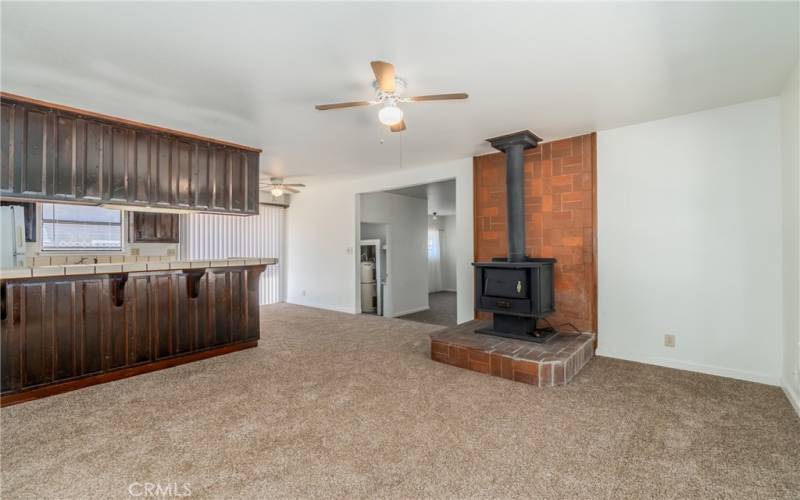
(65,332)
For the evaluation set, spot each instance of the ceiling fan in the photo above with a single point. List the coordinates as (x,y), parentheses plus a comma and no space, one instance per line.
(389,88)
(277,187)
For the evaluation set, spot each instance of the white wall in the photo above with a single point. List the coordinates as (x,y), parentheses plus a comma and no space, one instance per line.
(447,240)
(790,108)
(208,236)
(407,277)
(323,230)
(689,241)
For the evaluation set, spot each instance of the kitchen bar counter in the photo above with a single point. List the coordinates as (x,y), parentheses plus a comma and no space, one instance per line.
(82,325)
(78,269)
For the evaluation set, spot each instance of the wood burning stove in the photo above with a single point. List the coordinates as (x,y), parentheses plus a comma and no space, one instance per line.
(517,290)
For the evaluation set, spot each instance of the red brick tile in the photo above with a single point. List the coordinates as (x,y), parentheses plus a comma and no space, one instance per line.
(478,356)
(458,356)
(479,367)
(438,347)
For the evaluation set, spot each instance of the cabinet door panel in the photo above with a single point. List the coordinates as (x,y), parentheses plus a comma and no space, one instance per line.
(118,164)
(167,228)
(164,171)
(6,157)
(115,342)
(62,177)
(37,344)
(137,298)
(154,228)
(238,321)
(222,309)
(92,185)
(65,339)
(202,179)
(251,170)
(163,301)
(183,336)
(221,176)
(238,183)
(251,304)
(141,171)
(183,173)
(91,359)
(199,315)
(11,345)
(32,175)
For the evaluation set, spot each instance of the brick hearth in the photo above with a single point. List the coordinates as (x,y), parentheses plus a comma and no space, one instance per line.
(553,363)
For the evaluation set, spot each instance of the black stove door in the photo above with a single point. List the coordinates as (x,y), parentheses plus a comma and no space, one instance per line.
(505,283)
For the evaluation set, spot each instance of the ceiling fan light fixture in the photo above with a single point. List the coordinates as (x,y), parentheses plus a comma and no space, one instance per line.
(390,115)
(276,192)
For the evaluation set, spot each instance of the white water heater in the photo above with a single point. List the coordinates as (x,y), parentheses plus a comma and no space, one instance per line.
(368,272)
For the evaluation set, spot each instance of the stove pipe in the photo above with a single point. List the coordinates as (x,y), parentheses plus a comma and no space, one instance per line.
(514,146)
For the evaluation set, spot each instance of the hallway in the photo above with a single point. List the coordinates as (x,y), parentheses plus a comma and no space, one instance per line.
(442,310)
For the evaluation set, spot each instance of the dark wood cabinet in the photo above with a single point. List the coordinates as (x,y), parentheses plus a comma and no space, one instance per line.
(148,227)
(61,329)
(49,152)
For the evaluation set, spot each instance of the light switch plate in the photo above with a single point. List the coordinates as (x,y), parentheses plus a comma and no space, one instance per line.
(669,340)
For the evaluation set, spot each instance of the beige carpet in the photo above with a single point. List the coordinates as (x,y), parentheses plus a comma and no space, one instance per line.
(333,405)
(441,311)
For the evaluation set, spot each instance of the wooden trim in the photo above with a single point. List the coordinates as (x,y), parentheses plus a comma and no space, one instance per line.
(121,121)
(102,378)
(475,230)
(595,312)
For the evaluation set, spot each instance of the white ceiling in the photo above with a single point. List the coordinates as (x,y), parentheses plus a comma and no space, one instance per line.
(251,73)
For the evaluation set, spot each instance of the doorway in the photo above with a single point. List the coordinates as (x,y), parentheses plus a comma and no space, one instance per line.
(373,252)
(417,281)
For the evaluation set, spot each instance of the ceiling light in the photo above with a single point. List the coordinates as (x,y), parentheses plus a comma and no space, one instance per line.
(276,192)
(390,115)
(435,217)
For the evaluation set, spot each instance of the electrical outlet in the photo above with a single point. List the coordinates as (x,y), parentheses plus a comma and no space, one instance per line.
(134,251)
(669,340)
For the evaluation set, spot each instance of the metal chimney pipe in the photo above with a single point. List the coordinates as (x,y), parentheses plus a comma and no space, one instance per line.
(514,146)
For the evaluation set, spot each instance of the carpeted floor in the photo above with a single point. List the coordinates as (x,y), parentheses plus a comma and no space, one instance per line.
(336,405)
(442,310)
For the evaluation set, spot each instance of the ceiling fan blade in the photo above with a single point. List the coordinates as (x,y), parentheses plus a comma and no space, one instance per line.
(438,97)
(295,185)
(290,190)
(384,74)
(398,127)
(353,104)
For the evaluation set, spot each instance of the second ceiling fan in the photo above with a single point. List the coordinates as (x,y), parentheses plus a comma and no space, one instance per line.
(389,88)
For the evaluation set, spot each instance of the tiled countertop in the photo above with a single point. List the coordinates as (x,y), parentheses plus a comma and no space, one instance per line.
(76,269)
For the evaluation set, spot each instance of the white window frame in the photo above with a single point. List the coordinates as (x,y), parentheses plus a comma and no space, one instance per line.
(41,250)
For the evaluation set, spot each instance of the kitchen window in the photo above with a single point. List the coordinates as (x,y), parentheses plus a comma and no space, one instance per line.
(77,227)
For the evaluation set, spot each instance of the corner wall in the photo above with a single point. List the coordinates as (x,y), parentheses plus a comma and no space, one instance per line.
(689,241)
(323,229)
(790,128)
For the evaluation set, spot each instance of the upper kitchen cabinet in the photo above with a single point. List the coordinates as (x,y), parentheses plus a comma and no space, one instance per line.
(54,153)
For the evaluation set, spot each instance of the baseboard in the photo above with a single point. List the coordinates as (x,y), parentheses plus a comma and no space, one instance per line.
(794,397)
(323,306)
(410,311)
(719,371)
(453,290)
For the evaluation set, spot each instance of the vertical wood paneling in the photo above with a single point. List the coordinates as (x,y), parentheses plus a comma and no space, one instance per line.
(209,236)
